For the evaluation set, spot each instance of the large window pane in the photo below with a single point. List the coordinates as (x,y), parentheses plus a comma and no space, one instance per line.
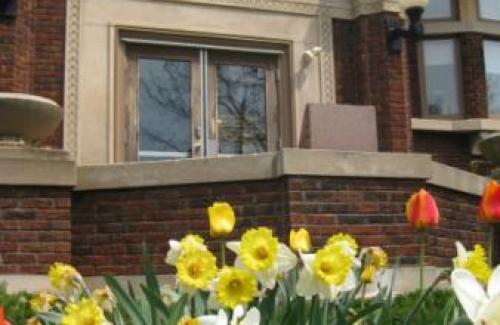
(164,109)
(489,9)
(439,9)
(241,109)
(441,77)
(492,62)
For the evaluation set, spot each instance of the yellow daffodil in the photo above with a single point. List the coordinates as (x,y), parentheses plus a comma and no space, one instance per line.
(43,302)
(481,306)
(196,268)
(474,261)
(187,243)
(235,287)
(368,274)
(300,240)
(63,276)
(222,219)
(326,273)
(104,298)
(378,257)
(186,320)
(261,253)
(344,240)
(86,311)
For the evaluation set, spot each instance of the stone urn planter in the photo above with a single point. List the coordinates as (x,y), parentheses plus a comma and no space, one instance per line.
(27,119)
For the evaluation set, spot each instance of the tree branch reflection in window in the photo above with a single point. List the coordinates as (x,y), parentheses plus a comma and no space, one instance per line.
(241,108)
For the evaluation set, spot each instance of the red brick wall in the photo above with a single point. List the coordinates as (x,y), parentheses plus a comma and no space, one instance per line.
(458,222)
(448,148)
(109,227)
(35,228)
(367,74)
(32,49)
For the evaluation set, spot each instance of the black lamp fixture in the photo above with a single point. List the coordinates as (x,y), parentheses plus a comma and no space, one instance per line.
(395,32)
(8,8)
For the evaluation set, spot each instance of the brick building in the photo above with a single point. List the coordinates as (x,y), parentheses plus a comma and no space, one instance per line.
(298,113)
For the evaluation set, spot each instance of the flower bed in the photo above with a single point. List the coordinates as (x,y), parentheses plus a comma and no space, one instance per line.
(274,283)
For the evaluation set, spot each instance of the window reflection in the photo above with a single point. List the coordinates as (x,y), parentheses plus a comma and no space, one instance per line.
(492,63)
(439,9)
(164,109)
(441,77)
(489,9)
(241,109)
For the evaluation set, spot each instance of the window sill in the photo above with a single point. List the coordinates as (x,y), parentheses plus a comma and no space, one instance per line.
(464,126)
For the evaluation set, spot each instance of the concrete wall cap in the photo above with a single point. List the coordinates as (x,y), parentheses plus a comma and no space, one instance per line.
(25,166)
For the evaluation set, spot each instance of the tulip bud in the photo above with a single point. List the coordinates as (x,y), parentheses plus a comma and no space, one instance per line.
(300,241)
(222,219)
(489,210)
(421,210)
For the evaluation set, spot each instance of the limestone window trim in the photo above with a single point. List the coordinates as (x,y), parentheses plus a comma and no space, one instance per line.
(456,126)
(269,53)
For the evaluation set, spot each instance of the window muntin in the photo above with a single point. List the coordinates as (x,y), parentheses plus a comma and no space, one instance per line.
(197,102)
(439,9)
(441,94)
(492,64)
(489,9)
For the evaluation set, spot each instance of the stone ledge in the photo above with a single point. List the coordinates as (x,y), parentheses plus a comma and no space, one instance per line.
(255,167)
(457,179)
(26,166)
(469,125)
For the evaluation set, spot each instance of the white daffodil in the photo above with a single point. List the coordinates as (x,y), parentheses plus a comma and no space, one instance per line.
(262,254)
(177,248)
(326,273)
(474,261)
(252,317)
(482,307)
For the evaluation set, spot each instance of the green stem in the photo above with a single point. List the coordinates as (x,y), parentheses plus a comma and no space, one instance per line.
(325,312)
(363,292)
(445,275)
(422,260)
(193,307)
(491,243)
(223,252)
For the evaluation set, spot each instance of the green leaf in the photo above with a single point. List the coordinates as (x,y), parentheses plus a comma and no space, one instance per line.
(151,278)
(367,311)
(155,301)
(266,306)
(50,317)
(127,303)
(177,310)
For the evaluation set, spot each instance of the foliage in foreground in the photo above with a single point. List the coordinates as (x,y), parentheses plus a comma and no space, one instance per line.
(16,305)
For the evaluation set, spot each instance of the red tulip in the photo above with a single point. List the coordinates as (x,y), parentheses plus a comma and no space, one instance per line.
(489,210)
(421,210)
(2,318)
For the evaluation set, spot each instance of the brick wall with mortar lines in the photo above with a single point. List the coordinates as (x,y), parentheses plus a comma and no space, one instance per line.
(35,228)
(448,148)
(109,227)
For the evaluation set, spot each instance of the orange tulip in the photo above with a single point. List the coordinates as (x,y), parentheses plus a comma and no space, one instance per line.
(2,318)
(489,210)
(421,210)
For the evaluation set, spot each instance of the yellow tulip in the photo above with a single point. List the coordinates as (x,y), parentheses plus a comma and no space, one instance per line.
(300,240)
(222,219)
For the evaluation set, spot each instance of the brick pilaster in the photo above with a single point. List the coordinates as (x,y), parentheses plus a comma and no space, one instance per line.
(373,76)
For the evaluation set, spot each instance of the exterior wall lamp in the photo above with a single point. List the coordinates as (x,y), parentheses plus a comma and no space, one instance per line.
(395,32)
(8,8)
